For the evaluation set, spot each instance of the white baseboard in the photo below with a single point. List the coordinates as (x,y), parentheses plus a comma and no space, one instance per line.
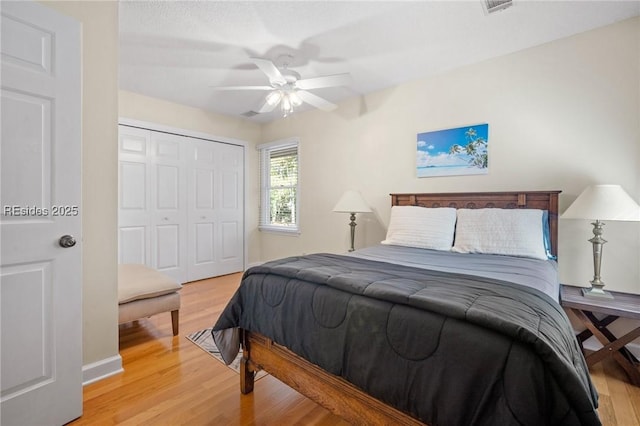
(101,369)
(252,264)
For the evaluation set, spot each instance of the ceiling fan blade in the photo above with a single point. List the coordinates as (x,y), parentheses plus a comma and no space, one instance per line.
(267,67)
(325,81)
(316,101)
(241,87)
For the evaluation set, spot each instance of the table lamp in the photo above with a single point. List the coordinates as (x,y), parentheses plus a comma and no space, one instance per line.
(352,202)
(601,202)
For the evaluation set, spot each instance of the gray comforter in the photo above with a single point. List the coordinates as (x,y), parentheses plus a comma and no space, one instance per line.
(450,349)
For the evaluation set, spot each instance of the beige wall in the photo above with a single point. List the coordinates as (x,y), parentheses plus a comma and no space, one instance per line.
(138,107)
(561,116)
(99,174)
(144,108)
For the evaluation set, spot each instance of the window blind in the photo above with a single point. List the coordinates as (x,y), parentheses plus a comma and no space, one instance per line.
(279,187)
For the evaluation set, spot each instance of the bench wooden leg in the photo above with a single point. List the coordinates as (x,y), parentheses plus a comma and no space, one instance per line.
(175,321)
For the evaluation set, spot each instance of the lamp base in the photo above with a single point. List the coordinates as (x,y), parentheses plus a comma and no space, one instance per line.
(596,293)
(597,286)
(352,224)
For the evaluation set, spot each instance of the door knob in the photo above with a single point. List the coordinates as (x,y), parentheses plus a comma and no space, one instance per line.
(67,241)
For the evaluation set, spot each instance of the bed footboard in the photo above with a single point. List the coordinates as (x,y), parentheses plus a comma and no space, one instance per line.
(332,392)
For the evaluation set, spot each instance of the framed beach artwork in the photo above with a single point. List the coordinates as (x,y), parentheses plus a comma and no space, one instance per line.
(453,152)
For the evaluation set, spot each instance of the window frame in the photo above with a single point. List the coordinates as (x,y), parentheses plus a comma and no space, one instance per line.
(265,150)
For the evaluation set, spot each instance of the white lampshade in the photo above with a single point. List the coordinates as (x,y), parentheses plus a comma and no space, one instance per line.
(352,202)
(603,202)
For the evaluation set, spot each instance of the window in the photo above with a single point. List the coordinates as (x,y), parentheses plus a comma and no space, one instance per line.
(279,189)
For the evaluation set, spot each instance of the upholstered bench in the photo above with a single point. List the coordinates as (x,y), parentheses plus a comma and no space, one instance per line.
(143,292)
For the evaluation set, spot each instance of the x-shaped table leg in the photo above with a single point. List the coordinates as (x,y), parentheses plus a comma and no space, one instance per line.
(613,346)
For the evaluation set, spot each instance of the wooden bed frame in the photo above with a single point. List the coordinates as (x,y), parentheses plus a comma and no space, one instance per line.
(335,393)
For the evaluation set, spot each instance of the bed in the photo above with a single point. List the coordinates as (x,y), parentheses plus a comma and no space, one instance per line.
(405,334)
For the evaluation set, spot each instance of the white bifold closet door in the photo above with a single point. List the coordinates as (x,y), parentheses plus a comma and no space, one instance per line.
(215,209)
(181,204)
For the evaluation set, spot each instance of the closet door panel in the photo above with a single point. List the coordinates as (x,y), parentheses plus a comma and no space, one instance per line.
(168,146)
(231,211)
(230,244)
(204,153)
(133,244)
(205,237)
(167,247)
(168,188)
(134,172)
(204,181)
(133,181)
(230,190)
(169,204)
(134,142)
(203,249)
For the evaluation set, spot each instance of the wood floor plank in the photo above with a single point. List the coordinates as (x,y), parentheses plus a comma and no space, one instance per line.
(621,391)
(170,381)
(634,395)
(618,406)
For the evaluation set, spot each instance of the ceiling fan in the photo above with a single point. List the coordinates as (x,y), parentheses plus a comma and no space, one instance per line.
(288,90)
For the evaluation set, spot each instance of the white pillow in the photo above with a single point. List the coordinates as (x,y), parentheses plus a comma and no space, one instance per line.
(512,232)
(421,227)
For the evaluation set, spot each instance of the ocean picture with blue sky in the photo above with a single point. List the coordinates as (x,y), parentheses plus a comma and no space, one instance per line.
(453,152)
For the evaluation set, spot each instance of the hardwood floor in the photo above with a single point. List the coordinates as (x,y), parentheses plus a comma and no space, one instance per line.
(619,400)
(170,381)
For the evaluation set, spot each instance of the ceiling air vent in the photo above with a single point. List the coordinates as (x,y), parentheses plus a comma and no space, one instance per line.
(496,5)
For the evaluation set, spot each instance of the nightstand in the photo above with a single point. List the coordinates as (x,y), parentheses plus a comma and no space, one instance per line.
(621,306)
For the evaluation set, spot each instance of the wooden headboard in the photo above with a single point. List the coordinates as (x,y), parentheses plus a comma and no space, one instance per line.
(543,200)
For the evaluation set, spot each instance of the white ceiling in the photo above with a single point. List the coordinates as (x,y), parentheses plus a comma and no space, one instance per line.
(177,50)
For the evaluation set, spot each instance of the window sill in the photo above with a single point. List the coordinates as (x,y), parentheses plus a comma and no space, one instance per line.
(280,230)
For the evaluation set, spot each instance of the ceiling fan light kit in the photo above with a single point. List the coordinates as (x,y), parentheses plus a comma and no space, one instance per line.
(287,98)
(274,98)
(286,105)
(288,90)
(295,99)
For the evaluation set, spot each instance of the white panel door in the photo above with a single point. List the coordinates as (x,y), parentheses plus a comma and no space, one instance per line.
(152,218)
(216,209)
(40,281)
(203,221)
(168,212)
(231,209)
(135,175)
